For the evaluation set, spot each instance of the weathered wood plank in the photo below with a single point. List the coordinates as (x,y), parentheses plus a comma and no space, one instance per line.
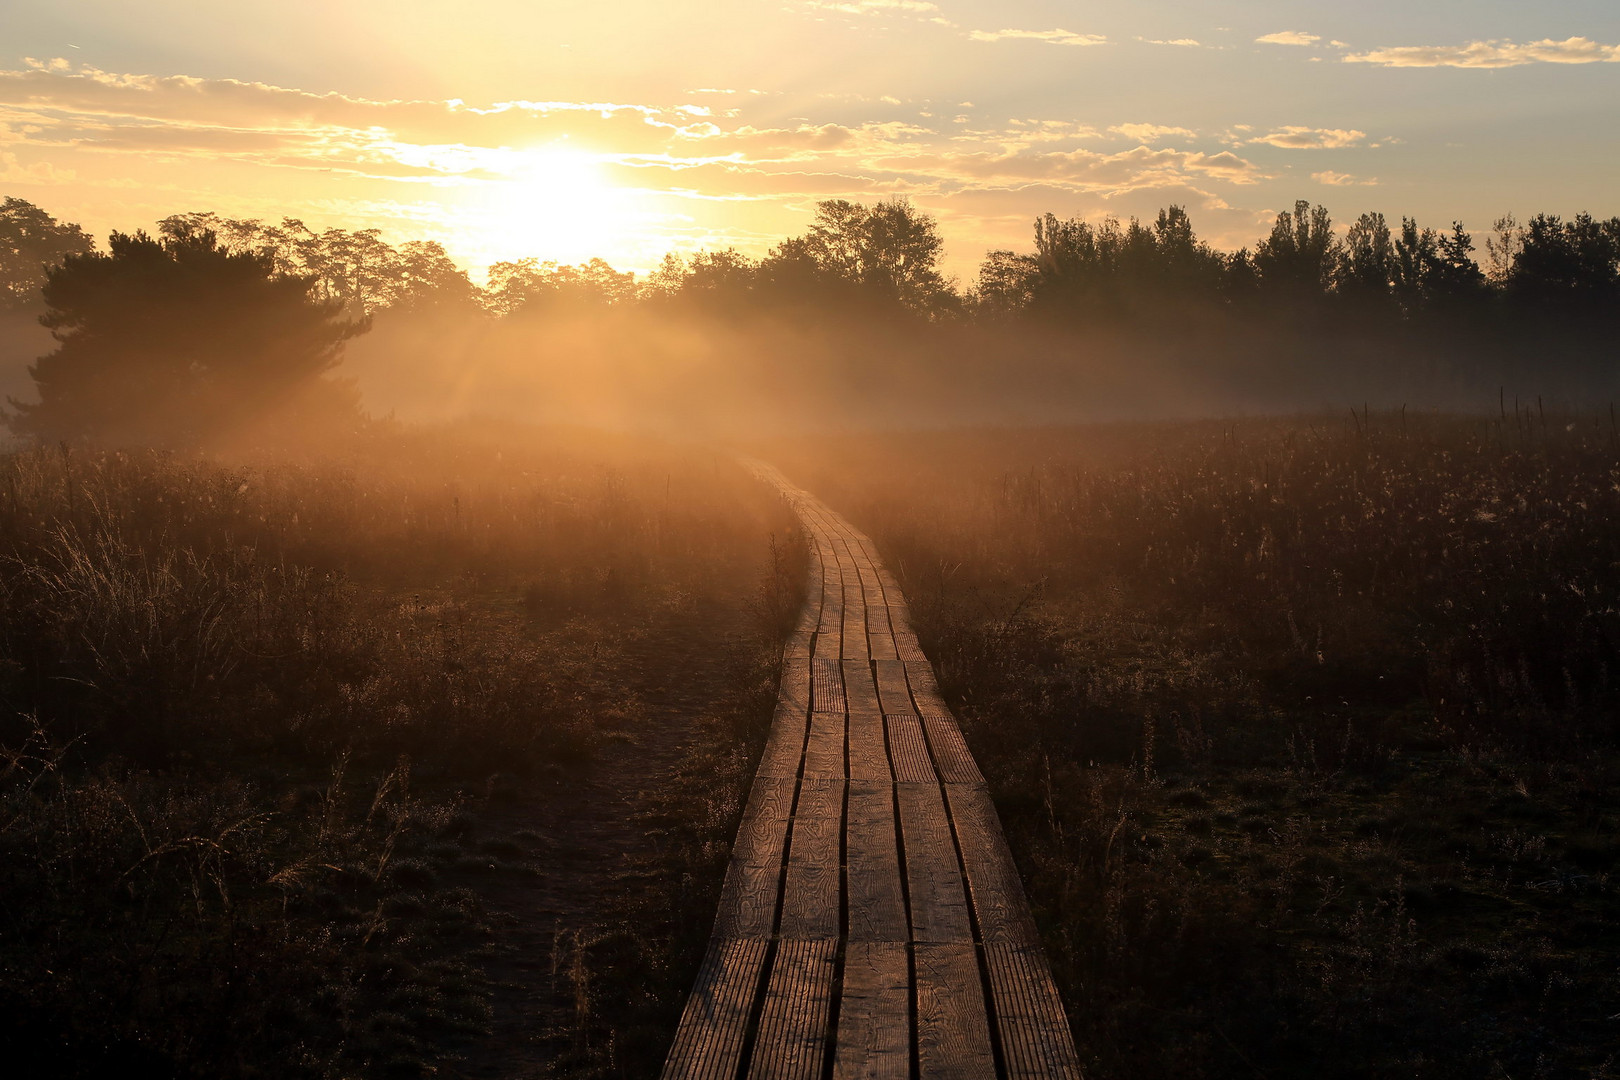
(855,646)
(874,1013)
(794,689)
(824,750)
(800,644)
(762,835)
(951,757)
(905,643)
(953,1033)
(877,908)
(908,751)
(792,1042)
(784,746)
(868,754)
(924,688)
(827,685)
(891,686)
(748,901)
(810,904)
(938,897)
(709,1042)
(860,689)
(830,619)
(1035,1039)
(999,903)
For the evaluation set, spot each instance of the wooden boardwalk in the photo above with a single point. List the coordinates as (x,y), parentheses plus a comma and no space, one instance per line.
(872,923)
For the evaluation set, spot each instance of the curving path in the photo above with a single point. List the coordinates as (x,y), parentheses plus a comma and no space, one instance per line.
(872,923)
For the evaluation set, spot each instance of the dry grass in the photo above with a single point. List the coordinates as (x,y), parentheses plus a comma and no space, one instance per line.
(262,722)
(1304,730)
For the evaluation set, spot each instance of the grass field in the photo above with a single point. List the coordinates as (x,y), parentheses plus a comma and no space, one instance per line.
(1303,731)
(421,754)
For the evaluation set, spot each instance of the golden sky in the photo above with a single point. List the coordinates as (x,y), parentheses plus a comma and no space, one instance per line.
(564,130)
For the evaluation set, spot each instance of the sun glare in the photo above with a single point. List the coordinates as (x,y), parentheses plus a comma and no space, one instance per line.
(556,204)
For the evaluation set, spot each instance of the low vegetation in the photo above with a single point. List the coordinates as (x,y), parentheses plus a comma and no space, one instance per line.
(288,749)
(1303,731)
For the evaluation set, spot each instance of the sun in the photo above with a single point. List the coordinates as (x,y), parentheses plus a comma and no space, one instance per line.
(553,204)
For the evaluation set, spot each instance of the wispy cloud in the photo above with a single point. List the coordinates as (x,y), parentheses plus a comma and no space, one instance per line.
(1149,132)
(1185,42)
(1291,137)
(1498,53)
(1051,37)
(1289,37)
(1339,179)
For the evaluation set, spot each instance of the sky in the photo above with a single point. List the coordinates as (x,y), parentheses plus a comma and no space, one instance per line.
(630,128)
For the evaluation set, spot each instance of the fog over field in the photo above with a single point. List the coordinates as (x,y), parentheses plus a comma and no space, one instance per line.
(833,538)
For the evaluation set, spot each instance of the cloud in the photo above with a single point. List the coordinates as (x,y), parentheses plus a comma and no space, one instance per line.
(1185,42)
(13,171)
(1149,132)
(1492,54)
(1289,37)
(1051,37)
(1306,138)
(1338,179)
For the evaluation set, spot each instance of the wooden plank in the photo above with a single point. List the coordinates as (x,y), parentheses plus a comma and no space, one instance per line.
(860,689)
(877,908)
(868,750)
(800,644)
(905,643)
(762,836)
(792,1042)
(998,897)
(1036,1043)
(855,646)
(953,1033)
(951,757)
(748,901)
(830,620)
(785,744)
(815,585)
(874,1013)
(810,903)
(794,689)
(891,686)
(827,685)
(879,638)
(908,750)
(924,688)
(709,1042)
(868,754)
(784,747)
(818,823)
(939,908)
(824,749)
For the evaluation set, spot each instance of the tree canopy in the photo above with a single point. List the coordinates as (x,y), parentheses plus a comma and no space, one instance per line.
(31,241)
(173,340)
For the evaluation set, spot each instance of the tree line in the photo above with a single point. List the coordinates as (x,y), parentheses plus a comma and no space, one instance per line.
(182,327)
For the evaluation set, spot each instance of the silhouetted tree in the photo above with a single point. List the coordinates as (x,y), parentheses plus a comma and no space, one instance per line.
(1566,267)
(532,287)
(885,255)
(31,242)
(1370,270)
(171,341)
(427,279)
(1300,255)
(1006,284)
